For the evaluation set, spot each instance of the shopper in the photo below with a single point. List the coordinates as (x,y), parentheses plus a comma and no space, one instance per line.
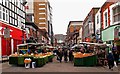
(59,55)
(65,55)
(71,55)
(116,56)
(110,59)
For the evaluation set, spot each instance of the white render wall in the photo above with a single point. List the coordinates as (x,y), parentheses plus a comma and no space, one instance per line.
(98,25)
(30,6)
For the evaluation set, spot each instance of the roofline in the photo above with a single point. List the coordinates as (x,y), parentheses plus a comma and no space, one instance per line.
(90,12)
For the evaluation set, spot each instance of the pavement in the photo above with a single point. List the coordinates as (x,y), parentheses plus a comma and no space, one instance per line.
(55,66)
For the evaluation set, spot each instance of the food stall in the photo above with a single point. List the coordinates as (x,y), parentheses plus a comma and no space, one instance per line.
(89,57)
(86,59)
(31,51)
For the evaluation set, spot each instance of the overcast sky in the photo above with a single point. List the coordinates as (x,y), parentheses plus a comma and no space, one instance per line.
(70,10)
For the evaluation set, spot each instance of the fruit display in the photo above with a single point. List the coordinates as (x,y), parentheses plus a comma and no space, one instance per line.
(81,55)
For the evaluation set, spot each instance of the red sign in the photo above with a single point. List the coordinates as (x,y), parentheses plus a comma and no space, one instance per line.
(87,39)
(26,7)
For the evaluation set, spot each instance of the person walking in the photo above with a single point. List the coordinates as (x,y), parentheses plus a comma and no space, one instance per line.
(65,55)
(110,59)
(116,57)
(71,55)
(59,55)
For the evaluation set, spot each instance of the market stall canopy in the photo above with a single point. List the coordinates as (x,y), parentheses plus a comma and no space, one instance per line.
(26,44)
(76,46)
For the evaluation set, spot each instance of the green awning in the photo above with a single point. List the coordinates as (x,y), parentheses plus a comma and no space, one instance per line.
(108,34)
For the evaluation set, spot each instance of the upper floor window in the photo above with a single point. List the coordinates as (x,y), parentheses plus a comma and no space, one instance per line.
(106,19)
(0,12)
(0,1)
(97,19)
(4,16)
(116,14)
(3,13)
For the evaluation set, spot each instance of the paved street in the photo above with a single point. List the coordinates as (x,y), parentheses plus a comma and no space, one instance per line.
(55,66)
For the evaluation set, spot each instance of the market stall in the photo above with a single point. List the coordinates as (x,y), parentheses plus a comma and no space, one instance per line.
(30,51)
(88,54)
(86,59)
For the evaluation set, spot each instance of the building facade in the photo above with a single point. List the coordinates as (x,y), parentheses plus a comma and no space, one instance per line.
(43,18)
(89,26)
(98,25)
(40,12)
(12,25)
(73,33)
(110,13)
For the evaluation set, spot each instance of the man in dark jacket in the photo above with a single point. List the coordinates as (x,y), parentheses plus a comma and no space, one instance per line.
(71,55)
(60,55)
(116,57)
(110,59)
(65,55)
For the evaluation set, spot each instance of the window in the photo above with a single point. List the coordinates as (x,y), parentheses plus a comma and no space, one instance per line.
(10,20)
(0,12)
(7,15)
(3,13)
(97,19)
(41,8)
(13,7)
(3,2)
(106,19)
(0,1)
(42,4)
(116,14)
(15,10)
(10,0)
(13,1)
(15,22)
(9,5)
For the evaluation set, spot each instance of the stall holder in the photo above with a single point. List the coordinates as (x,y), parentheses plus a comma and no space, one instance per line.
(90,60)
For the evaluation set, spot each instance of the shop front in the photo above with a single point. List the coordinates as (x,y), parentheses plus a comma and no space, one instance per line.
(111,35)
(9,44)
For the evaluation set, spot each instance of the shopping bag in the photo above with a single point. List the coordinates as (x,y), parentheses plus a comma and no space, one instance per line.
(115,64)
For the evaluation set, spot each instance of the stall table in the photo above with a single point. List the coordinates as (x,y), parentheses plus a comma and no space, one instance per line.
(86,61)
